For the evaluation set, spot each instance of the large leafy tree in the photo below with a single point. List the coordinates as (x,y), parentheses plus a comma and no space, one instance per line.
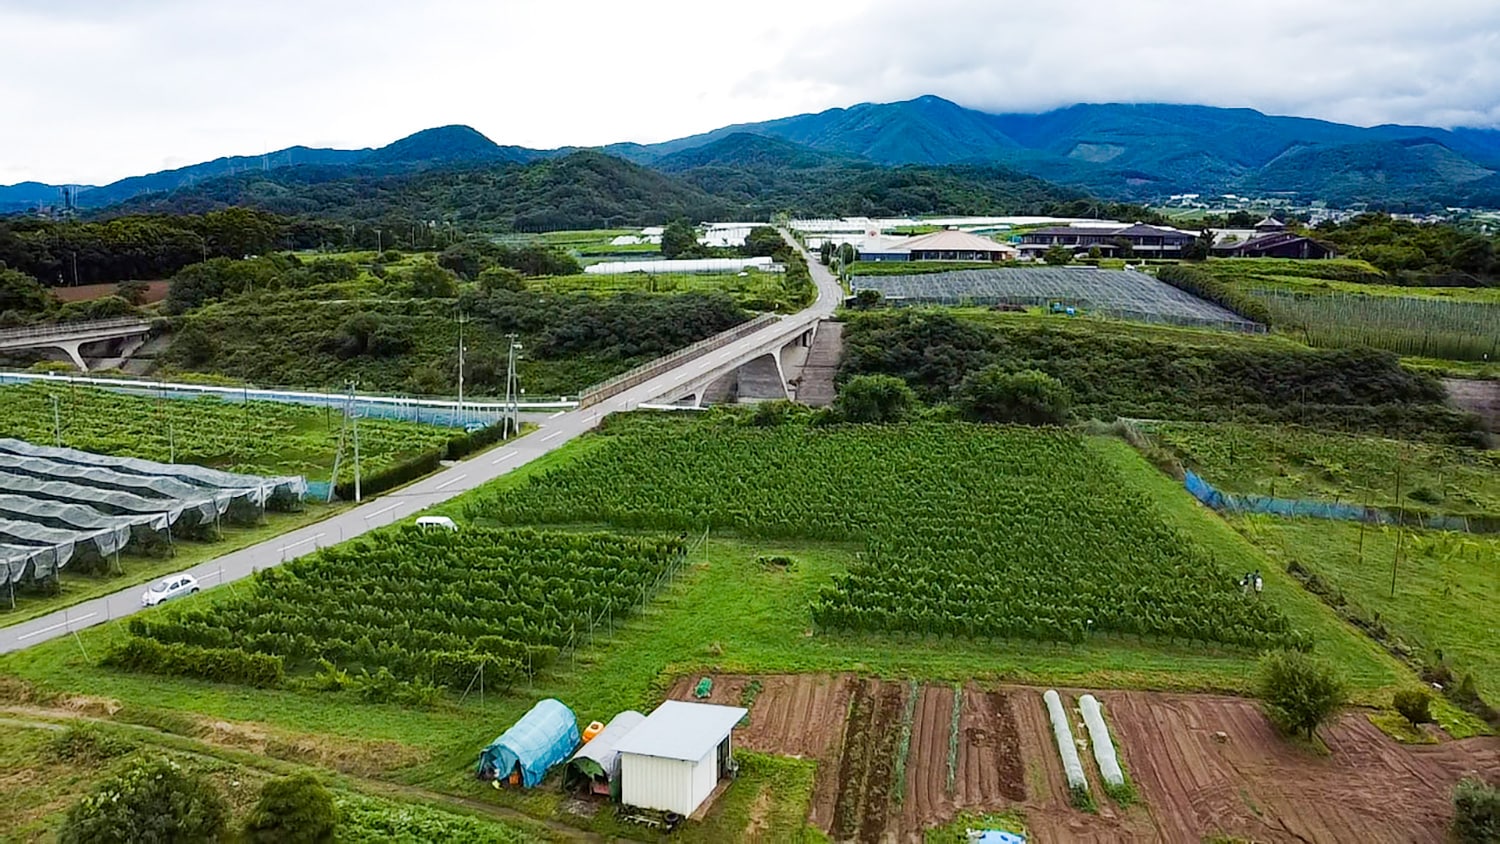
(21,295)
(1300,691)
(678,238)
(875,398)
(994,394)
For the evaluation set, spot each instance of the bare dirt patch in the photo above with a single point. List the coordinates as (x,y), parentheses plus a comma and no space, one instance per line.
(155,292)
(1203,765)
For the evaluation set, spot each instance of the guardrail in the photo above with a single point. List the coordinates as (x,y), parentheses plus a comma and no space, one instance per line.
(66,328)
(646,371)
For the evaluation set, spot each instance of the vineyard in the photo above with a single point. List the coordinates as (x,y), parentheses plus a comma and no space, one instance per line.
(263,438)
(1292,462)
(976,531)
(1408,325)
(412,610)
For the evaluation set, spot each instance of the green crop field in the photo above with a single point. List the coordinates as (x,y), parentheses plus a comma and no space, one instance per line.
(1288,461)
(754,290)
(259,438)
(1447,584)
(1020,535)
(413,610)
(1446,328)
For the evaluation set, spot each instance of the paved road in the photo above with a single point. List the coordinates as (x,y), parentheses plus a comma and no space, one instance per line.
(555,431)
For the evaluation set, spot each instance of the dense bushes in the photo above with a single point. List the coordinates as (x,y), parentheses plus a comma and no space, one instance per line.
(1476,812)
(151,801)
(292,810)
(1120,372)
(220,665)
(1029,397)
(1204,286)
(874,398)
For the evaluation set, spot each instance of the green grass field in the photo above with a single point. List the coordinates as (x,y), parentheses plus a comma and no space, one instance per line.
(259,438)
(1447,584)
(754,290)
(1287,461)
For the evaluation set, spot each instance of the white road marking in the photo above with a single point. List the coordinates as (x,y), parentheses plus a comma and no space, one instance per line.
(383,510)
(553,435)
(313,538)
(55,626)
(450,482)
(506,456)
(557,414)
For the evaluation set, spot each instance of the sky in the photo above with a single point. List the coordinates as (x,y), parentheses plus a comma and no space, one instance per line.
(97,90)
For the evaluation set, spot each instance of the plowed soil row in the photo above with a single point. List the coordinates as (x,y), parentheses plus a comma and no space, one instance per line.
(1203,765)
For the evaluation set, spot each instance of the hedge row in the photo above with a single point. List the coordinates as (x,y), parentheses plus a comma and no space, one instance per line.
(219,665)
(1205,286)
(467,443)
(392,476)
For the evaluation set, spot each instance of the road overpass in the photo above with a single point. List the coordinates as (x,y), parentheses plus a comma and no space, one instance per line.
(70,337)
(553,433)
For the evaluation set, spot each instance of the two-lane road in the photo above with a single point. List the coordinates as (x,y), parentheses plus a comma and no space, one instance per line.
(553,433)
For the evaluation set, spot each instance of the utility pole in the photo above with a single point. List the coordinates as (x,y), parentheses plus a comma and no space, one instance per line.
(56,423)
(460,368)
(512,385)
(379,243)
(354,414)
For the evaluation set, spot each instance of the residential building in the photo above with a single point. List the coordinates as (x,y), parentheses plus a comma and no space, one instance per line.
(1144,241)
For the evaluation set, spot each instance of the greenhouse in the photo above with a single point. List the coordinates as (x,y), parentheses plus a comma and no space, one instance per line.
(61,507)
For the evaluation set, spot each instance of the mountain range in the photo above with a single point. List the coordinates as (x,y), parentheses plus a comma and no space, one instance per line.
(1114,151)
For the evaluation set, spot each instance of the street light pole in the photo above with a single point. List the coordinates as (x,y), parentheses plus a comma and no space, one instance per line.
(460,368)
(512,385)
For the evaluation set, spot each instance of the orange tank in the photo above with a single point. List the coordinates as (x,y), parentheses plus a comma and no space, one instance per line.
(594,728)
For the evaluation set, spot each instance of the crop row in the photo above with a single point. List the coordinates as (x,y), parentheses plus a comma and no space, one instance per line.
(262,438)
(968,530)
(432,608)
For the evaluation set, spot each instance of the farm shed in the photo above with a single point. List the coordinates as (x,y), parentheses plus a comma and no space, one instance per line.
(542,738)
(596,765)
(673,760)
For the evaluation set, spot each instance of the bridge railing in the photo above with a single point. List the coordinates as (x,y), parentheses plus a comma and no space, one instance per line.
(64,329)
(646,371)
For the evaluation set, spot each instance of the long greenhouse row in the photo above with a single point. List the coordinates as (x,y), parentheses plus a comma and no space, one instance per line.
(61,505)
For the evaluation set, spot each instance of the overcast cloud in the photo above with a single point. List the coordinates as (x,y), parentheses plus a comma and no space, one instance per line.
(96,90)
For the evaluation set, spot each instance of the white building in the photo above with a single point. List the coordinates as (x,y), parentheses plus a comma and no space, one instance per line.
(674,759)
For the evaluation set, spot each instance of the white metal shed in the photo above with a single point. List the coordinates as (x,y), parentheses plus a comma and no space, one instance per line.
(673,760)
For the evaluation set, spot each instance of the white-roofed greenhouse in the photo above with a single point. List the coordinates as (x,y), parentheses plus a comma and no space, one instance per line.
(60,507)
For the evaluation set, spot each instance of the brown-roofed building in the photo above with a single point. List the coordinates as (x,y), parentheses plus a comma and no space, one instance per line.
(947,245)
(1145,241)
(1280,244)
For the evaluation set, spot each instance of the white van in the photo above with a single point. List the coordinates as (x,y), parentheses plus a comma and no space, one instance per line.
(436,523)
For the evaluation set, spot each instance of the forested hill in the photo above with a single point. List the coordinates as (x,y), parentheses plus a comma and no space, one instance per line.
(586,189)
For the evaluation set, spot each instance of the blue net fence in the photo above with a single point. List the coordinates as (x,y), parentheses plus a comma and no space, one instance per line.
(1228,502)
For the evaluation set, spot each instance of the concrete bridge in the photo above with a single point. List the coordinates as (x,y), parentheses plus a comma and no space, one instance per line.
(71,337)
(769,369)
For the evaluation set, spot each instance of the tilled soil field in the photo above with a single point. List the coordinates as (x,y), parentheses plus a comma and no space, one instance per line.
(1203,765)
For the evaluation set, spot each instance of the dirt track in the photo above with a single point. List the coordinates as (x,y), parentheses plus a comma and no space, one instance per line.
(1251,783)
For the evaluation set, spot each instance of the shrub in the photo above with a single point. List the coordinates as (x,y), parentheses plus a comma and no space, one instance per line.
(1413,704)
(392,476)
(133,292)
(295,810)
(875,398)
(151,801)
(1476,812)
(86,743)
(1028,397)
(1301,691)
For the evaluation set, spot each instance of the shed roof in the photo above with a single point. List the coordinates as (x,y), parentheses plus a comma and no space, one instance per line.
(950,240)
(681,730)
(603,748)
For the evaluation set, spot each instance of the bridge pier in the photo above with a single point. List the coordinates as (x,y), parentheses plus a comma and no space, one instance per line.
(73,353)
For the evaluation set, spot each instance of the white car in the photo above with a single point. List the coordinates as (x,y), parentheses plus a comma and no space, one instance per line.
(167,588)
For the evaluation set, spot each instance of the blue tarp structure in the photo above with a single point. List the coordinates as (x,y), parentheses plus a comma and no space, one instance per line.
(543,737)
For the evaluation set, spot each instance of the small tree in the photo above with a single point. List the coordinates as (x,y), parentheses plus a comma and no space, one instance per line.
(294,810)
(1476,812)
(1413,704)
(1301,691)
(678,238)
(1095,253)
(151,801)
(1028,397)
(1058,255)
(1201,247)
(763,241)
(430,281)
(867,299)
(492,279)
(874,398)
